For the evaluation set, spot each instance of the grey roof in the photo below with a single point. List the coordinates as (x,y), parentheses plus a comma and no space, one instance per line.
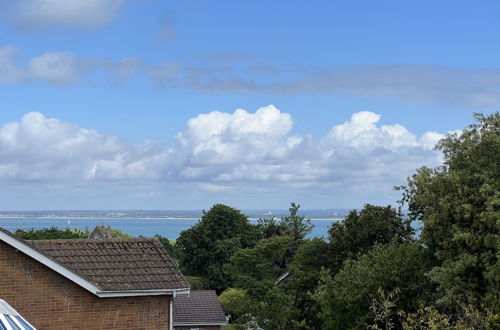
(200,307)
(116,264)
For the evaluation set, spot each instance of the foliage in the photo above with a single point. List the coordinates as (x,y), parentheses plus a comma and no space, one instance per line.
(385,316)
(305,271)
(171,249)
(257,269)
(459,204)
(118,233)
(360,231)
(236,303)
(345,299)
(49,233)
(292,225)
(208,245)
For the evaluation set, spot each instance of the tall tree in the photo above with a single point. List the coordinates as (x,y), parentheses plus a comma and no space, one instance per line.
(459,204)
(208,245)
(345,298)
(360,231)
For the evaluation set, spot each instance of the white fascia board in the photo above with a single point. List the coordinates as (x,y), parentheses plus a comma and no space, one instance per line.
(187,324)
(26,249)
(134,293)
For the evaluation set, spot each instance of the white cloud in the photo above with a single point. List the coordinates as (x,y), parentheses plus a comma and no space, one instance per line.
(57,68)
(33,14)
(50,150)
(223,153)
(9,72)
(62,69)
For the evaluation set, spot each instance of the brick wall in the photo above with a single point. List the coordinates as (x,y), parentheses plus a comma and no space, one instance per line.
(50,301)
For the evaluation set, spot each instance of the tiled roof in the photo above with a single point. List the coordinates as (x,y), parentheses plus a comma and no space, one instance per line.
(200,307)
(116,264)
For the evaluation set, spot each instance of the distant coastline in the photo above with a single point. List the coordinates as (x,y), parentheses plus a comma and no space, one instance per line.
(253,214)
(142,218)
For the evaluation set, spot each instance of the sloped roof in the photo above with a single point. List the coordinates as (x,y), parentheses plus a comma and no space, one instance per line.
(116,264)
(200,307)
(138,266)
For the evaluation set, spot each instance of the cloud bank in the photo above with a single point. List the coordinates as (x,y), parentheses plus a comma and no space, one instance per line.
(217,153)
(446,86)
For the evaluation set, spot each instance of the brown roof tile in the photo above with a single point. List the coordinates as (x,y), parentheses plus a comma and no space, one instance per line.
(116,264)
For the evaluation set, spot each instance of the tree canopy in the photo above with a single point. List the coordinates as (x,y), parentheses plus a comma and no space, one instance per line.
(360,231)
(49,233)
(459,205)
(208,245)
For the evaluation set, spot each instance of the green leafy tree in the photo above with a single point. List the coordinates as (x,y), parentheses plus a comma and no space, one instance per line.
(256,270)
(49,233)
(360,231)
(237,304)
(169,247)
(292,225)
(459,205)
(305,272)
(345,299)
(208,245)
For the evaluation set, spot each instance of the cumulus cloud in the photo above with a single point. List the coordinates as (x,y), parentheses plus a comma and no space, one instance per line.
(43,149)
(219,153)
(34,14)
(258,147)
(218,150)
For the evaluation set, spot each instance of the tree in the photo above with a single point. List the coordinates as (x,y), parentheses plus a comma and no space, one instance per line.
(256,270)
(208,245)
(169,247)
(292,225)
(305,271)
(459,205)
(49,233)
(360,231)
(345,298)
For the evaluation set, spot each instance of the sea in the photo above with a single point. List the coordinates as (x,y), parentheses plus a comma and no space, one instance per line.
(148,227)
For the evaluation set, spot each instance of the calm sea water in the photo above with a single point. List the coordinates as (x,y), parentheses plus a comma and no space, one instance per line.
(169,228)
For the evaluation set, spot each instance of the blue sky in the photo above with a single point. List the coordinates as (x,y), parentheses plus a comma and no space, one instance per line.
(112,103)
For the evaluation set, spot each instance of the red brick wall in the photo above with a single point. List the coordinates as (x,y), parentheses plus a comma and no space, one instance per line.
(50,301)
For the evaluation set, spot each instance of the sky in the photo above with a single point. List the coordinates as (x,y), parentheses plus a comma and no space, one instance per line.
(145,104)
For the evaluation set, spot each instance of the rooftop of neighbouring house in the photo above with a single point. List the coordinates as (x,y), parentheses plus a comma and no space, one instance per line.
(200,307)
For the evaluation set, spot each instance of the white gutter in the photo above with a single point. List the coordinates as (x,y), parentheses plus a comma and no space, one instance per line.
(28,250)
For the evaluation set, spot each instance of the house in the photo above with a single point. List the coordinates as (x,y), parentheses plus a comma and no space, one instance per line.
(198,310)
(99,232)
(90,284)
(11,319)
